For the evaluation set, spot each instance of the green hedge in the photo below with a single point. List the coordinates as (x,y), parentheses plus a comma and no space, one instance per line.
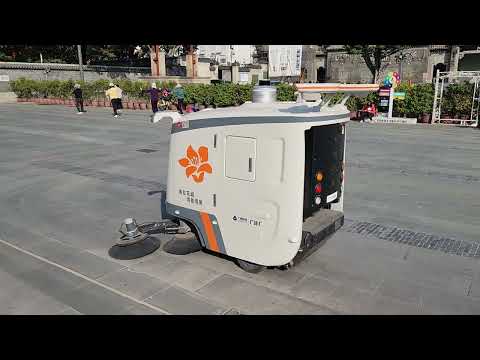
(418,100)
(218,95)
(457,98)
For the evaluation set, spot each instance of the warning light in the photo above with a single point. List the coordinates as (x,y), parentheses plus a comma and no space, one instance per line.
(319,176)
(318,188)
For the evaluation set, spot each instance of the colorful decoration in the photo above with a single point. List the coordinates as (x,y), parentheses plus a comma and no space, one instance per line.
(392,79)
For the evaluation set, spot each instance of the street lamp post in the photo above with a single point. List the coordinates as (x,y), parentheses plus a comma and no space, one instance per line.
(80,62)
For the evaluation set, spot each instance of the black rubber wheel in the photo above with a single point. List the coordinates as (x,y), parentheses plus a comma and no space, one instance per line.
(249,267)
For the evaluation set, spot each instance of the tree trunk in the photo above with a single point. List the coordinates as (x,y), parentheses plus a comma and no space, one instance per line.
(369,63)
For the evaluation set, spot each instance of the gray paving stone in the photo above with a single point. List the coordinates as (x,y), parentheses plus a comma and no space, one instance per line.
(348,300)
(279,280)
(18,297)
(362,275)
(136,284)
(142,310)
(272,278)
(401,290)
(20,236)
(315,290)
(69,311)
(436,301)
(182,302)
(63,288)
(176,271)
(75,259)
(58,176)
(95,300)
(474,289)
(384,305)
(253,299)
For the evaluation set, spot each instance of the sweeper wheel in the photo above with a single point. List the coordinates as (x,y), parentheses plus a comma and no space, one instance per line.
(249,267)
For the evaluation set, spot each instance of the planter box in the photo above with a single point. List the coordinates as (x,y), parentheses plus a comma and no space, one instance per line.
(424,119)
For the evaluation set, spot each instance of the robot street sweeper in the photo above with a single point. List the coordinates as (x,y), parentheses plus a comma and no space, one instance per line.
(261,183)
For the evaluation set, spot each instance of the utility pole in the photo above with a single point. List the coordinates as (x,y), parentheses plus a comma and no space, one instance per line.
(400,57)
(80,62)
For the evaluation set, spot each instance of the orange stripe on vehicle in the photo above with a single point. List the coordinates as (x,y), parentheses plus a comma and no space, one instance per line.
(207,225)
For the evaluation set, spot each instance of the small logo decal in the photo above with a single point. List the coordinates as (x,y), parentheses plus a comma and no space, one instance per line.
(196,163)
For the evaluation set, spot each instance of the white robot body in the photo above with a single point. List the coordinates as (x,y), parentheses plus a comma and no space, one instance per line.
(242,177)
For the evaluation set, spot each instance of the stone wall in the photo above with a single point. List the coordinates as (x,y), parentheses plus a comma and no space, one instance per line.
(15,70)
(343,67)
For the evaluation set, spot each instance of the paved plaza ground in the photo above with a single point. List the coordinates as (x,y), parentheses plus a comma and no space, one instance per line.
(410,244)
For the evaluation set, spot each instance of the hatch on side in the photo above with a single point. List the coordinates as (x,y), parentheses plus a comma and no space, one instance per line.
(240,156)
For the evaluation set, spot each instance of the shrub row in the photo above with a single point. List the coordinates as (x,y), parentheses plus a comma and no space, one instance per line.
(457,98)
(220,95)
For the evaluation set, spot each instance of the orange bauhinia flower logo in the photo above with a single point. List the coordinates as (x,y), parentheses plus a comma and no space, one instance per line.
(196,163)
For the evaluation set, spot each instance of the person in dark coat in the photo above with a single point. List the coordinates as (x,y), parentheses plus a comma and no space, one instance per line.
(154,97)
(77,93)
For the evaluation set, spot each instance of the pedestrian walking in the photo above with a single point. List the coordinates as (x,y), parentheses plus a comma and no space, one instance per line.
(180,95)
(114,93)
(154,97)
(78,95)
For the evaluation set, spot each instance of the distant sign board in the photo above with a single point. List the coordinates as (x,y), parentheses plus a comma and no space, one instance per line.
(384,102)
(384,92)
(399,95)
(243,77)
(284,60)
(4,78)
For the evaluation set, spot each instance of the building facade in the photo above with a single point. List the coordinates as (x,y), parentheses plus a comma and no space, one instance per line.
(227,54)
(418,64)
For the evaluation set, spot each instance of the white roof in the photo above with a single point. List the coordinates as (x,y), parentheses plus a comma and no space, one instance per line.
(290,109)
